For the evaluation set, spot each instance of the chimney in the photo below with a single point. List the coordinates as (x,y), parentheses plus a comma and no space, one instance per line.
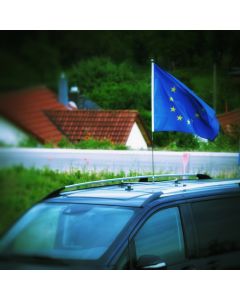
(63,90)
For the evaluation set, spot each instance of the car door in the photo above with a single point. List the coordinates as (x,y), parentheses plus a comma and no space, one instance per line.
(160,242)
(217,223)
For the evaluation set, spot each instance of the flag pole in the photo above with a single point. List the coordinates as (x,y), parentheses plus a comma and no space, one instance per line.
(152,98)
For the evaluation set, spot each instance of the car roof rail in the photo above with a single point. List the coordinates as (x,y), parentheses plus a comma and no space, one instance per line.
(122,180)
(202,185)
(141,178)
(184,188)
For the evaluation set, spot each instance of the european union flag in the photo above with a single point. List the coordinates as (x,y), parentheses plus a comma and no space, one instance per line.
(176,108)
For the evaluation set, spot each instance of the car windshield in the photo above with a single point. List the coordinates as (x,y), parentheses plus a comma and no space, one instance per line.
(66,231)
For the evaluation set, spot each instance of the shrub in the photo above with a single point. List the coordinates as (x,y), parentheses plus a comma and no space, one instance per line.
(90,143)
(28,142)
(223,143)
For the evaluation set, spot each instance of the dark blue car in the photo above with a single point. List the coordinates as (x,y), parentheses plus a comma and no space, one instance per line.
(135,223)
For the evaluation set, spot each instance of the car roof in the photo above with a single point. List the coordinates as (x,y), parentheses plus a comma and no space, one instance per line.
(139,194)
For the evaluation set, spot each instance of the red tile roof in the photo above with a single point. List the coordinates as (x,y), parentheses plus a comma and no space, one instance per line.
(230,120)
(114,125)
(25,108)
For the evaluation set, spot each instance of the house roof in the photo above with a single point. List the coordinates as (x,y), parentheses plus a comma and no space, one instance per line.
(114,125)
(25,108)
(229,120)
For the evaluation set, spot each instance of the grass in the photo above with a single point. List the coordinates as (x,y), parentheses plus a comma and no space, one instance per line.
(21,188)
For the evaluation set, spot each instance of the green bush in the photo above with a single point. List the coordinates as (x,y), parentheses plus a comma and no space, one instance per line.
(91,143)
(179,141)
(65,143)
(223,143)
(28,142)
(175,141)
(183,142)
(99,144)
(112,85)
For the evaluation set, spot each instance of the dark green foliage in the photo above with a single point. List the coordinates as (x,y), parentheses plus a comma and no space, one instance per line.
(176,141)
(37,57)
(112,85)
(179,141)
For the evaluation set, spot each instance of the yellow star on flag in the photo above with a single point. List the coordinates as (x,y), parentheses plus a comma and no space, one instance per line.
(173,89)
(173,109)
(171,99)
(179,118)
(197,115)
(188,122)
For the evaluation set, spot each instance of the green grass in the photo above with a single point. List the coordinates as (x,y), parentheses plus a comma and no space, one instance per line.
(21,188)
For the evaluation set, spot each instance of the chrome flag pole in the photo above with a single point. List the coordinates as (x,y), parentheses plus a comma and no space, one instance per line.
(152,101)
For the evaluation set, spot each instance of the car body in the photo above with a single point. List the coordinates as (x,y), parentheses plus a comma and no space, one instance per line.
(132,223)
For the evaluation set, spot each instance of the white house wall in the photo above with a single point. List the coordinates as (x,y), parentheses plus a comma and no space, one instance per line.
(136,139)
(10,134)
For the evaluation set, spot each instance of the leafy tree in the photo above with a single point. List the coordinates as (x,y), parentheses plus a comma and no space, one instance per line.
(112,85)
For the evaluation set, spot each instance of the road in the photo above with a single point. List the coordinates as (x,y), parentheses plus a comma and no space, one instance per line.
(116,161)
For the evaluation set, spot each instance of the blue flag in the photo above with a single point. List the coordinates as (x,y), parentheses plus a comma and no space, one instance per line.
(176,108)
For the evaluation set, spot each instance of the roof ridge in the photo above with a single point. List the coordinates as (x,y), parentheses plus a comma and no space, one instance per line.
(104,110)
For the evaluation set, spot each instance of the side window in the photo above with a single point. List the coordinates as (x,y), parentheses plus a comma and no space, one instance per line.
(161,235)
(217,223)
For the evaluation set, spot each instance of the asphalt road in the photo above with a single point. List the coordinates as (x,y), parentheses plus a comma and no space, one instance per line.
(115,161)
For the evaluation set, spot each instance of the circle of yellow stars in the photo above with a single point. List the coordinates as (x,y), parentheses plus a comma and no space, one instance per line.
(173,109)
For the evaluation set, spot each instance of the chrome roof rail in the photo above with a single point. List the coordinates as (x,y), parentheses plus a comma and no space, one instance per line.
(125,179)
(122,180)
(202,185)
(192,187)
